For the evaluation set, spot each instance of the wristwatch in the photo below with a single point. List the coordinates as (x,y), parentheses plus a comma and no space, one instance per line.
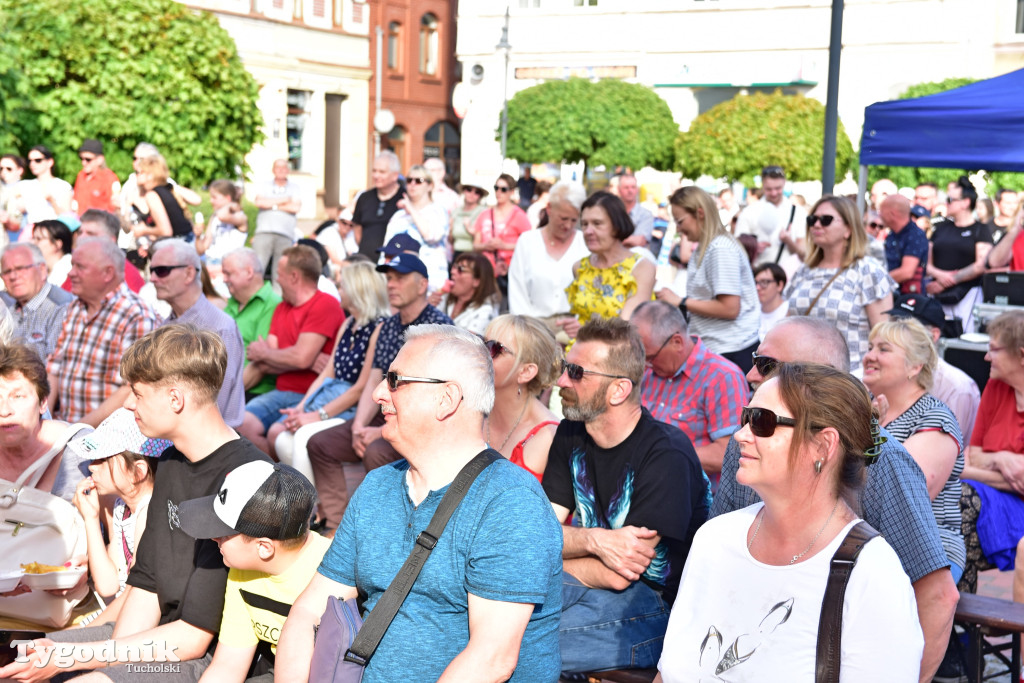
(323,415)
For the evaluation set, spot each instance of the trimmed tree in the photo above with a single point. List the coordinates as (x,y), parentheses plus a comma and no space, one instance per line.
(735,139)
(124,72)
(608,122)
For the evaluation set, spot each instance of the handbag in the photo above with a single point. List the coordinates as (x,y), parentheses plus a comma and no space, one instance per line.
(344,642)
(37,526)
(830,625)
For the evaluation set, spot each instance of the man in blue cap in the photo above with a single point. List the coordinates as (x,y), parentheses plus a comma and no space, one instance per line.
(360,438)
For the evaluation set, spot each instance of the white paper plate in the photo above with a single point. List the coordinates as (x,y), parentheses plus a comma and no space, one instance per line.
(975,337)
(10,580)
(54,580)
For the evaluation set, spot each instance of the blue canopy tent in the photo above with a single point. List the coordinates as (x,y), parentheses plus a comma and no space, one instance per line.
(976,126)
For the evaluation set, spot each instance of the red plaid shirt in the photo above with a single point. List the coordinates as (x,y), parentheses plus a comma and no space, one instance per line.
(87,359)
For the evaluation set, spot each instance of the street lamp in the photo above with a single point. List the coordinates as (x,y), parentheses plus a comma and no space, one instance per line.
(504,45)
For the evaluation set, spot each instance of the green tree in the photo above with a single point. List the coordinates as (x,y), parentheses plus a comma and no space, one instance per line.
(735,139)
(124,72)
(905,176)
(608,122)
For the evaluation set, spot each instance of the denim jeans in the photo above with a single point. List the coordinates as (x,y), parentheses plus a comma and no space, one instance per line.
(606,629)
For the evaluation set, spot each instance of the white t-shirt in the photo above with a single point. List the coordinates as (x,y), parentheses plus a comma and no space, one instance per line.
(765,221)
(760,622)
(537,282)
(33,194)
(768,320)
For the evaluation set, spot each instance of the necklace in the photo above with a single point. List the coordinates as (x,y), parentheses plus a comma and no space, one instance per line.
(813,540)
(511,431)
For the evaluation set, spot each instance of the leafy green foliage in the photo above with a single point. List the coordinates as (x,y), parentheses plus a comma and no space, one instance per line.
(735,139)
(124,72)
(905,176)
(608,122)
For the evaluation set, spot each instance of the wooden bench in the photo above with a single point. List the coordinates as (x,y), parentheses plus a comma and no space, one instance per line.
(623,676)
(986,618)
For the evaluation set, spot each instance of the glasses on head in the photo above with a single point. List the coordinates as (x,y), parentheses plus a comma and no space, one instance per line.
(650,359)
(164,271)
(763,421)
(825,220)
(761,284)
(576,372)
(773,172)
(765,365)
(502,188)
(86,159)
(10,272)
(394,380)
(416,181)
(496,348)
(876,226)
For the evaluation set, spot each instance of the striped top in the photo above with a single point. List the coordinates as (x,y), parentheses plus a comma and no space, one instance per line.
(724,269)
(930,414)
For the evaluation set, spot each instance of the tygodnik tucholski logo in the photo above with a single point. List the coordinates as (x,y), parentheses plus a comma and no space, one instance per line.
(148,657)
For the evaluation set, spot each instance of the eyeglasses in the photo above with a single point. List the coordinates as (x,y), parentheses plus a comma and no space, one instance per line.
(164,271)
(416,181)
(462,268)
(394,379)
(576,372)
(36,160)
(496,348)
(761,284)
(86,160)
(876,226)
(763,421)
(765,365)
(650,359)
(773,172)
(474,190)
(950,200)
(500,188)
(825,220)
(10,272)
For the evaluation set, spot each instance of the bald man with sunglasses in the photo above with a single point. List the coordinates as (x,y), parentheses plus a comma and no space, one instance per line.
(895,498)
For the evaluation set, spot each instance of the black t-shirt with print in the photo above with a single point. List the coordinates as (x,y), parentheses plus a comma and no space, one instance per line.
(652,479)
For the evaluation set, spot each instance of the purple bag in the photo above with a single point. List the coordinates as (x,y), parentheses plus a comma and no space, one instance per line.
(338,627)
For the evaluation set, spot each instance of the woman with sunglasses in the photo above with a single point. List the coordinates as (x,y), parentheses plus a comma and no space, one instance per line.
(752,589)
(426,222)
(527,361)
(461,233)
(53,238)
(498,228)
(899,366)
(45,196)
(473,300)
(721,298)
(838,281)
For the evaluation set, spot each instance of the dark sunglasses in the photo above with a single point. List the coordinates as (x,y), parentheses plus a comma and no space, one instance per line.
(773,172)
(394,379)
(474,190)
(36,160)
(576,372)
(876,226)
(826,220)
(86,160)
(416,181)
(499,188)
(763,421)
(765,365)
(463,268)
(495,348)
(164,271)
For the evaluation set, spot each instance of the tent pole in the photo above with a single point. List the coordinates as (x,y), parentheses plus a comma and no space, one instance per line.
(862,188)
(828,160)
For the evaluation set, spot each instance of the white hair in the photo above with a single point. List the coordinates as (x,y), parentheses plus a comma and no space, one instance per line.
(393,163)
(146,149)
(184,253)
(109,249)
(567,192)
(31,247)
(456,346)
(249,257)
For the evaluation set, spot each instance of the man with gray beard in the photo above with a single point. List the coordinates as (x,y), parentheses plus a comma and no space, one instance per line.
(638,495)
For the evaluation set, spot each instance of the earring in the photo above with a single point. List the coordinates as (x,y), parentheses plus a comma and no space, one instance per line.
(817,466)
(519,391)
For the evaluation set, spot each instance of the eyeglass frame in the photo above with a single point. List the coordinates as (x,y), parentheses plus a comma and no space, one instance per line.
(649,360)
(167,270)
(18,269)
(747,418)
(490,345)
(757,359)
(583,371)
(394,380)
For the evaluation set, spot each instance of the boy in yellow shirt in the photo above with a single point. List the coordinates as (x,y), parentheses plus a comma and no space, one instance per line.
(260,520)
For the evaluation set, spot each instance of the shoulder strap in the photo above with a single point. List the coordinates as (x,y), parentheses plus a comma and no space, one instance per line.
(782,247)
(830,625)
(380,617)
(38,468)
(827,285)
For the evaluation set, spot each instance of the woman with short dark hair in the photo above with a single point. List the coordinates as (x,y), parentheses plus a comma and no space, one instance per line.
(54,239)
(473,300)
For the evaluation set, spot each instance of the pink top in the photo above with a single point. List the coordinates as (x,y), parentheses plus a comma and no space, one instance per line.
(517,452)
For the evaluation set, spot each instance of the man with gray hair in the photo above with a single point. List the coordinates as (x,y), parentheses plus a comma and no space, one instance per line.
(489,610)
(175,269)
(279,202)
(106,318)
(895,498)
(375,207)
(99,223)
(251,305)
(37,307)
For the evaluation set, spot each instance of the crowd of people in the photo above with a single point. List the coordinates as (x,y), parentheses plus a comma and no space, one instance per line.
(667,474)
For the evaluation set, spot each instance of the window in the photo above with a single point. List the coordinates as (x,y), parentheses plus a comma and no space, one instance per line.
(298,114)
(526,4)
(428,45)
(394,45)
(442,141)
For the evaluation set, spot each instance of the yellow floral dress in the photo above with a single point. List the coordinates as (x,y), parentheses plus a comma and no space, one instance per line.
(601,292)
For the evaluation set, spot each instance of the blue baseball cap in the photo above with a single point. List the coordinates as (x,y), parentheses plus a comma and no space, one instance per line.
(404,263)
(399,244)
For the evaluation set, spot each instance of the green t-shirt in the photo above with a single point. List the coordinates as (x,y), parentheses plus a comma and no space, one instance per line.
(254,321)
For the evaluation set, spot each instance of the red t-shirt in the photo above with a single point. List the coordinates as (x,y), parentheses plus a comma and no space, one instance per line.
(132,278)
(322,315)
(96,192)
(1017,263)
(999,426)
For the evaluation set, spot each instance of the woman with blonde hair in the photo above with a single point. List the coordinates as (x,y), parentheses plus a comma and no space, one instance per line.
(426,222)
(527,360)
(160,212)
(721,298)
(898,369)
(837,281)
(332,397)
(803,445)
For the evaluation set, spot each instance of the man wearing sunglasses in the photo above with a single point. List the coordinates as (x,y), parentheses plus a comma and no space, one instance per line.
(96,186)
(895,498)
(638,495)
(687,385)
(360,438)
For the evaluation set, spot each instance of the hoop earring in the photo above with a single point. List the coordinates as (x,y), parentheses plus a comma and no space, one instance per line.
(817,466)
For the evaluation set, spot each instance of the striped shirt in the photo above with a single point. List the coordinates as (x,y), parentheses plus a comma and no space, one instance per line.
(703,398)
(930,414)
(724,269)
(87,358)
(38,322)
